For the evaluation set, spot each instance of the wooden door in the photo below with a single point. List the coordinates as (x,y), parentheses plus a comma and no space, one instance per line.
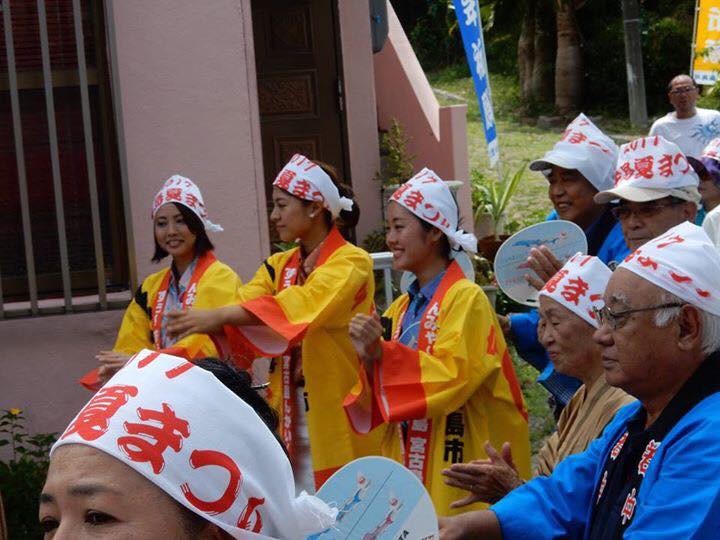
(299,85)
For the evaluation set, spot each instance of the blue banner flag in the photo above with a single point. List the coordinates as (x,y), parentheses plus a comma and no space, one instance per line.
(468,14)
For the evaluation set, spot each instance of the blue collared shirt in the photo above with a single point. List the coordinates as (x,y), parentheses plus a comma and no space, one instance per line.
(419,300)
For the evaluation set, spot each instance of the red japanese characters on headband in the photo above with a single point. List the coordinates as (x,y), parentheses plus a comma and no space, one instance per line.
(186,432)
(652,168)
(180,190)
(428,197)
(306,180)
(583,147)
(653,162)
(579,286)
(684,262)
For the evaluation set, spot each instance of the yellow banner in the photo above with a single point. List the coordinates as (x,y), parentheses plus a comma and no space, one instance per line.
(706,64)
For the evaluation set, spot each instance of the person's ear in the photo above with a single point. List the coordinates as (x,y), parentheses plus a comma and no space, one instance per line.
(435,235)
(690,322)
(689,211)
(314,209)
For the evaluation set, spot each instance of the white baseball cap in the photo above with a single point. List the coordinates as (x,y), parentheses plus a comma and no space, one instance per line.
(652,168)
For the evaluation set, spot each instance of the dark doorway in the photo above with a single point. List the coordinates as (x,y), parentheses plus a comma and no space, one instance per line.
(300,98)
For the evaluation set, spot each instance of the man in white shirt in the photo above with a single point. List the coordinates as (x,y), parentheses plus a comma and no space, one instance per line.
(689,127)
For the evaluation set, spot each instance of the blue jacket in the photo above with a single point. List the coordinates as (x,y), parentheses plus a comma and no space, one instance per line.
(524,325)
(679,497)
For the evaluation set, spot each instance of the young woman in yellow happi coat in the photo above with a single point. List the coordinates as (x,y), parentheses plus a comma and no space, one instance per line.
(441,380)
(195,278)
(297,308)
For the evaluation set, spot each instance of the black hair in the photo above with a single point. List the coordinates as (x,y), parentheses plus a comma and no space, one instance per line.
(347,218)
(445,247)
(669,85)
(202,241)
(240,383)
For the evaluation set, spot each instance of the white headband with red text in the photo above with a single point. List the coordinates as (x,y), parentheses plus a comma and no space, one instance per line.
(428,197)
(579,286)
(185,431)
(682,261)
(306,180)
(180,190)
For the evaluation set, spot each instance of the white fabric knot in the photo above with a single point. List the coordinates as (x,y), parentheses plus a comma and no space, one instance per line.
(312,514)
(346,204)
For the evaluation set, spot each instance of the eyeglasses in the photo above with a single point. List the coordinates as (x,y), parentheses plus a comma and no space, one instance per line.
(682,90)
(616,319)
(643,211)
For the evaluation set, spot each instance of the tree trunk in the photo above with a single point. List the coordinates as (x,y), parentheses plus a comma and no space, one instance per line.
(526,53)
(544,61)
(568,61)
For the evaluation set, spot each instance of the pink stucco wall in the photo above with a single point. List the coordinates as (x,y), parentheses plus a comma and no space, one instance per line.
(438,134)
(42,360)
(360,111)
(186,74)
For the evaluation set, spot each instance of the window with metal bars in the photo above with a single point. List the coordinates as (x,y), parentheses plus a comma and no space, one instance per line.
(62,228)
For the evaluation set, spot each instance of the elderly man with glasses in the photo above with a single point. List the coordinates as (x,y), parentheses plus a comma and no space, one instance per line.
(656,189)
(688,126)
(654,471)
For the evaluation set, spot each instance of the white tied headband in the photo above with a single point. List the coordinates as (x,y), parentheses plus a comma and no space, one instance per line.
(180,190)
(684,262)
(579,286)
(428,197)
(306,180)
(186,432)
(585,148)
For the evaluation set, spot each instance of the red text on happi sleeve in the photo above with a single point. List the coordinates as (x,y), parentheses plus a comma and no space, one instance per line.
(207,458)
(95,417)
(147,441)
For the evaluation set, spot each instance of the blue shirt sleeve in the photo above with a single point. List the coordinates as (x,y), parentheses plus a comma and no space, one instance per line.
(524,331)
(558,506)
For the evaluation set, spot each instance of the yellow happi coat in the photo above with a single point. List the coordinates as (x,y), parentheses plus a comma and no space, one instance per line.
(455,392)
(316,316)
(215,285)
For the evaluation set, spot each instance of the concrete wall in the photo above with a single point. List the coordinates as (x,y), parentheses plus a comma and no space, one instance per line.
(438,134)
(187,85)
